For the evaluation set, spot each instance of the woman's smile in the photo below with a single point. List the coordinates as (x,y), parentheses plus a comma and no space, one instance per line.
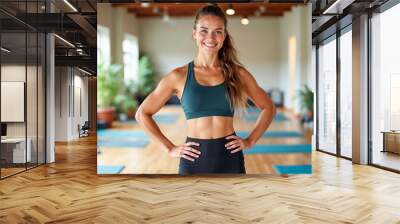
(210,45)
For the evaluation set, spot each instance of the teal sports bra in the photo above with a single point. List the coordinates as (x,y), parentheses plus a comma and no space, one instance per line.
(203,101)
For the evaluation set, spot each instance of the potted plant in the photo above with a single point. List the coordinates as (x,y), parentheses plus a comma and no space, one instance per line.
(109,82)
(131,104)
(147,78)
(306,98)
(126,106)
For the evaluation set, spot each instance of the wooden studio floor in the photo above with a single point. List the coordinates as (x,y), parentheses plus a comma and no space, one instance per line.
(70,191)
(153,159)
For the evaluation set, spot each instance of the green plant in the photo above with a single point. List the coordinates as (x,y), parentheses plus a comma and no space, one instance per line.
(126,100)
(146,78)
(131,88)
(110,80)
(125,103)
(306,98)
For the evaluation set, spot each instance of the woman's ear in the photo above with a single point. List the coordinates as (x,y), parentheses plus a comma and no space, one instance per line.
(194,34)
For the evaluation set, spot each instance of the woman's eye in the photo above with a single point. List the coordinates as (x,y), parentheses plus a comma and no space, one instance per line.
(203,31)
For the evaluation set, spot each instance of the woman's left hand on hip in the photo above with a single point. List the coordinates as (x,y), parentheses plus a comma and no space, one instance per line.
(237,144)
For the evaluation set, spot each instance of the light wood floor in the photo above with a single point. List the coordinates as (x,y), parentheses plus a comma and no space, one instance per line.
(9,171)
(153,159)
(13,170)
(386,159)
(70,191)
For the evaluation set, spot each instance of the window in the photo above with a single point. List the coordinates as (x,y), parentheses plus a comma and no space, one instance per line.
(385,88)
(327,96)
(346,94)
(103,45)
(131,57)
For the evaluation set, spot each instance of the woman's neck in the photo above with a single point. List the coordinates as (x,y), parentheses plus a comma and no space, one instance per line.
(207,61)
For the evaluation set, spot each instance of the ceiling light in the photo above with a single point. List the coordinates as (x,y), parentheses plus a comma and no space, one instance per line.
(245,21)
(5,49)
(64,40)
(70,5)
(145,4)
(230,11)
(165,16)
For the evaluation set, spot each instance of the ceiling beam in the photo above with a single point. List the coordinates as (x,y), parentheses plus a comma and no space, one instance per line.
(191,13)
(189,9)
(84,24)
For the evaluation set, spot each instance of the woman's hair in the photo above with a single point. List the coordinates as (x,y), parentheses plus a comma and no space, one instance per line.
(230,62)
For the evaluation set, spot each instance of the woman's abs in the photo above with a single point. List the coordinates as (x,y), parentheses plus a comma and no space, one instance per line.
(210,127)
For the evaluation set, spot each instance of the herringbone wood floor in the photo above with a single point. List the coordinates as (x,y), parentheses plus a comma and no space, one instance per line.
(70,191)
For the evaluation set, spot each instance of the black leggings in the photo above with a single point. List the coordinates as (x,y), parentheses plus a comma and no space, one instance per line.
(214,158)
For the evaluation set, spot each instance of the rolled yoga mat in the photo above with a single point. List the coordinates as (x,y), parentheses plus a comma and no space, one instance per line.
(292,169)
(160,118)
(279,117)
(273,134)
(106,169)
(106,134)
(278,148)
(122,139)
(123,143)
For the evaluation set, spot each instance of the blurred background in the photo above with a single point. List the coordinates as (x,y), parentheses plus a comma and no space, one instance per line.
(138,43)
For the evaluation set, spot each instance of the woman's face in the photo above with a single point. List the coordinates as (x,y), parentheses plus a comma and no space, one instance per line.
(209,34)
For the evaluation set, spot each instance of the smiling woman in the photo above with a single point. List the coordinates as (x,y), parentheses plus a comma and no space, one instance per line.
(210,88)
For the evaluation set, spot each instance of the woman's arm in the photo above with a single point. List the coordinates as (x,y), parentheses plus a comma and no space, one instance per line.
(263,102)
(153,103)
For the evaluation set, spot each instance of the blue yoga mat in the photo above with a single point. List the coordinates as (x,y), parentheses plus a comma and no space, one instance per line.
(105,134)
(293,169)
(273,134)
(123,143)
(278,117)
(103,169)
(253,110)
(277,148)
(160,118)
(166,117)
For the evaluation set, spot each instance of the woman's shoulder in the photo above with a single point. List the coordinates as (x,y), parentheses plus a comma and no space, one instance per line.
(246,77)
(178,73)
(242,71)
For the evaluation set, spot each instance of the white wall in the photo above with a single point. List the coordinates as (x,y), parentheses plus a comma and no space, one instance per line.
(119,21)
(80,103)
(257,45)
(61,103)
(17,73)
(170,45)
(67,114)
(295,53)
(33,127)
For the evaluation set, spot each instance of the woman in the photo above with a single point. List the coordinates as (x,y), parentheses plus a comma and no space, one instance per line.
(210,88)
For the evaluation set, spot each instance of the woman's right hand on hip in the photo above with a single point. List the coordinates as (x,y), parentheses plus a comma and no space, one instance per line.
(185,151)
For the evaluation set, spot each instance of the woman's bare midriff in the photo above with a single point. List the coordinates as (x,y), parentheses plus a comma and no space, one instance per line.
(210,127)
